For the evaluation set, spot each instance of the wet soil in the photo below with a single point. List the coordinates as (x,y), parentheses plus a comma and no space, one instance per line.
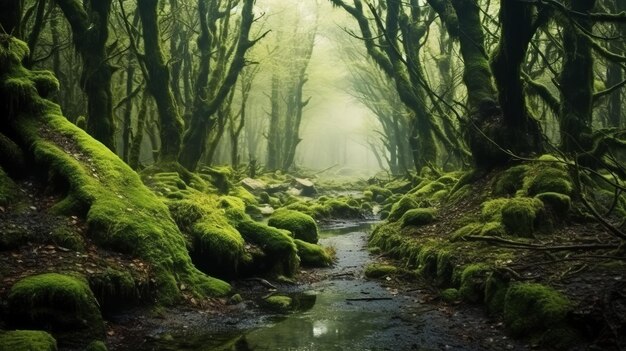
(339,309)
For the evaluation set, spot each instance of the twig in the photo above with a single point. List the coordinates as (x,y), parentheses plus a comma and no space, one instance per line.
(368,299)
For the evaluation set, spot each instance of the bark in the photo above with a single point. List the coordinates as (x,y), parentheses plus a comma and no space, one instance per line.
(615,72)
(90,33)
(135,148)
(158,82)
(201,123)
(576,82)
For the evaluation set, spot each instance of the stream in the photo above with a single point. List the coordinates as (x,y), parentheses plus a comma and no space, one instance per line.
(342,311)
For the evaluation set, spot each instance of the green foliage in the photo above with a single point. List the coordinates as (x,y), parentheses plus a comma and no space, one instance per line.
(27,340)
(534,308)
(301,225)
(63,303)
(313,255)
(519,215)
(378,270)
(418,216)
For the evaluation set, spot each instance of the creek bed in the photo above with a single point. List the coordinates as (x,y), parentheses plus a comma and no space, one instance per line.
(343,311)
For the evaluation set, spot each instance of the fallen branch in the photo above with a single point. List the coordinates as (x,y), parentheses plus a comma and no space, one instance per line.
(520,245)
(263,282)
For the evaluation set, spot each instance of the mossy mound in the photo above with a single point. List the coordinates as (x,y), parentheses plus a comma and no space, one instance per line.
(279,250)
(509,181)
(406,203)
(473,282)
(418,216)
(122,214)
(519,216)
(560,204)
(96,346)
(301,225)
(312,255)
(377,270)
(61,303)
(342,209)
(450,295)
(8,189)
(534,308)
(27,340)
(115,290)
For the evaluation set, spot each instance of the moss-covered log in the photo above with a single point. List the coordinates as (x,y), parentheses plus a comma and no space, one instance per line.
(121,213)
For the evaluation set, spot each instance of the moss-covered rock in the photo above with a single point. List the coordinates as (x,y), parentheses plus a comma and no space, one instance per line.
(495,291)
(115,290)
(519,216)
(493,229)
(399,208)
(8,189)
(379,194)
(547,177)
(377,270)
(418,216)
(279,303)
(510,181)
(279,248)
(342,209)
(301,225)
(313,255)
(534,308)
(96,346)
(473,280)
(469,229)
(27,340)
(61,303)
(560,204)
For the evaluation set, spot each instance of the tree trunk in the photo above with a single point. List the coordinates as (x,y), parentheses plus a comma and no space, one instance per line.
(90,33)
(11,16)
(158,83)
(576,82)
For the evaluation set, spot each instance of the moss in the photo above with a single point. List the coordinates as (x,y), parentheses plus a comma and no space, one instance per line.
(341,209)
(244,195)
(8,189)
(121,213)
(543,178)
(115,290)
(460,194)
(81,122)
(559,203)
(495,291)
(398,209)
(312,255)
(367,194)
(68,238)
(473,282)
(301,225)
(418,216)
(279,303)
(450,295)
(27,340)
(492,210)
(493,229)
(469,229)
(383,215)
(96,346)
(280,249)
(519,215)
(63,303)
(439,195)
(510,181)
(11,158)
(377,270)
(428,188)
(379,194)
(532,308)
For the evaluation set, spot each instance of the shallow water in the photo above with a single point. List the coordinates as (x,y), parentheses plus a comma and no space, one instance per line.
(328,320)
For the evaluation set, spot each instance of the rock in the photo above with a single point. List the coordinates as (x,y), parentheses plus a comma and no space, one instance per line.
(307,188)
(266,210)
(253,185)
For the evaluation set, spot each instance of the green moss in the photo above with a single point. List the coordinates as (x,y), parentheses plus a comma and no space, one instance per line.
(519,215)
(510,181)
(312,255)
(450,295)
(279,303)
(469,229)
(398,209)
(96,346)
(281,251)
(377,270)
(495,291)
(492,210)
(534,308)
(63,303)
(473,282)
(493,229)
(27,340)
(368,195)
(67,237)
(115,290)
(244,195)
(379,194)
(559,203)
(301,225)
(543,178)
(418,216)
(428,188)
(341,209)
(8,189)
(461,193)
(121,213)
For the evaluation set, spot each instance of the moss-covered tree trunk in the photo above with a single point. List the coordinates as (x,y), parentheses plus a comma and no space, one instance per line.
(576,81)
(158,82)
(614,71)
(273,133)
(90,30)
(518,21)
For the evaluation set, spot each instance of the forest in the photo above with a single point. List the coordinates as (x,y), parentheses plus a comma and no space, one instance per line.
(312,175)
